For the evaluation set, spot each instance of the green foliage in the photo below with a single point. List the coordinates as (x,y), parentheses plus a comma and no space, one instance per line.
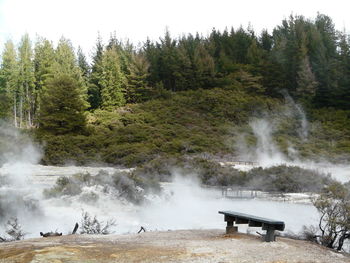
(330,132)
(138,90)
(26,79)
(94,87)
(112,80)
(189,91)
(9,83)
(63,110)
(285,178)
(189,122)
(44,59)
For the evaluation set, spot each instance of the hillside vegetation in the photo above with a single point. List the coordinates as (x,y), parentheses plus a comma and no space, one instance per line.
(193,123)
(189,95)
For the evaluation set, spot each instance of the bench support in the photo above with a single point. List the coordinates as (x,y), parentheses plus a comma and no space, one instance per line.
(269,225)
(230,229)
(270,235)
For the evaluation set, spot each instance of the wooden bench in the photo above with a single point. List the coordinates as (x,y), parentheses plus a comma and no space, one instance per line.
(269,225)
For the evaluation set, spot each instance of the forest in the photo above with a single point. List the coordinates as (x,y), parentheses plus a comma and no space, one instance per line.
(129,105)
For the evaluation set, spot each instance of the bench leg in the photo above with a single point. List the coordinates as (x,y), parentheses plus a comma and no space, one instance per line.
(230,229)
(270,235)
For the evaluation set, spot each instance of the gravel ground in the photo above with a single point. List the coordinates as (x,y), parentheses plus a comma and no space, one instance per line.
(172,246)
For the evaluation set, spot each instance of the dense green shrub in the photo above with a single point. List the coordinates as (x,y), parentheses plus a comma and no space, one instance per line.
(189,122)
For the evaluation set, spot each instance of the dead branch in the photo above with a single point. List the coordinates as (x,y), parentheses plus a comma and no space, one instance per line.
(75,228)
(141,229)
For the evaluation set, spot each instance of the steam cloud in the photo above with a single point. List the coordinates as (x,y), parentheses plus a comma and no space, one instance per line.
(183,204)
(267,153)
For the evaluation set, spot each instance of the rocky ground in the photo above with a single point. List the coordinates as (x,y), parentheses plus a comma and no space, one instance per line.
(171,246)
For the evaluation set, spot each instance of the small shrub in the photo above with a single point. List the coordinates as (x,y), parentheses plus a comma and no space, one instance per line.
(14,230)
(64,186)
(91,225)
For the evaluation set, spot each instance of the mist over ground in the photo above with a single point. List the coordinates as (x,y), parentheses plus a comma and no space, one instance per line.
(181,204)
(266,153)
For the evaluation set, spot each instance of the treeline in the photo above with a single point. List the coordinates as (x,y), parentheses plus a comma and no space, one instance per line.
(52,87)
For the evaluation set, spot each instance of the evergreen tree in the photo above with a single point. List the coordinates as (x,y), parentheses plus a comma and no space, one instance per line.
(112,80)
(63,110)
(124,51)
(152,54)
(325,61)
(254,54)
(248,82)
(168,62)
(138,89)
(65,60)
(306,80)
(266,40)
(197,67)
(67,64)
(83,64)
(94,88)
(44,59)
(342,93)
(9,83)
(26,82)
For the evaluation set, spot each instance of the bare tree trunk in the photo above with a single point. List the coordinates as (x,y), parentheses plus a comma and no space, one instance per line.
(29,125)
(20,111)
(332,240)
(344,236)
(33,111)
(29,107)
(15,109)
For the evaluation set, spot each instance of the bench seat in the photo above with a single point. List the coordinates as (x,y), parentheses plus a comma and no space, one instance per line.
(270,225)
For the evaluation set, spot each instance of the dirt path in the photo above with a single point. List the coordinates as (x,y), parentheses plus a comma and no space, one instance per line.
(172,246)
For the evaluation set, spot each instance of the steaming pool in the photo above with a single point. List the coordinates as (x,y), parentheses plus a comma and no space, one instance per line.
(183,204)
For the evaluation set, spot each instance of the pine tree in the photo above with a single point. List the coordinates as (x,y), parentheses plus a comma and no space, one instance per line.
(341,95)
(138,89)
(266,40)
(44,59)
(63,110)
(196,66)
(9,83)
(26,82)
(67,64)
(325,60)
(111,80)
(64,97)
(83,64)
(94,87)
(168,65)
(306,80)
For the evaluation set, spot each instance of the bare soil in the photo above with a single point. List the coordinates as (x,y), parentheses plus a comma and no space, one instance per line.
(171,246)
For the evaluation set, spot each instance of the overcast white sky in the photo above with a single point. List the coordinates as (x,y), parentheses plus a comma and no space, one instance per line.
(80,20)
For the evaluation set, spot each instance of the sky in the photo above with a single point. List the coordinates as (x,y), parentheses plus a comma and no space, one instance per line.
(81,20)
